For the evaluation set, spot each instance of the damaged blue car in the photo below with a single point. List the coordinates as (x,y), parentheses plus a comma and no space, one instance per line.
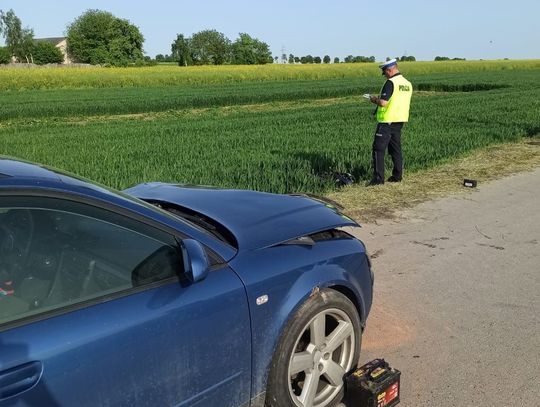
(170,295)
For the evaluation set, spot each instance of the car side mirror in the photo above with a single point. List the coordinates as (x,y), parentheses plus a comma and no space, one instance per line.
(196,263)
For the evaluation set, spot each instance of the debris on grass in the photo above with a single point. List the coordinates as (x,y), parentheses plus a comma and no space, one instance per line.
(367,204)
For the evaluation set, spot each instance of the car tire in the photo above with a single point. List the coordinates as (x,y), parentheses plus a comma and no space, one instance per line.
(308,366)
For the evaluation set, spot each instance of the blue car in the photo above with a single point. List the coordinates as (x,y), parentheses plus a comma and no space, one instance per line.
(167,295)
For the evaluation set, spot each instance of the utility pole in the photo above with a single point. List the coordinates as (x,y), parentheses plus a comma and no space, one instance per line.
(283,55)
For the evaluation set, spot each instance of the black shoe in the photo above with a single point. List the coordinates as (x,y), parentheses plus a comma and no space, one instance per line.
(374,182)
(394,179)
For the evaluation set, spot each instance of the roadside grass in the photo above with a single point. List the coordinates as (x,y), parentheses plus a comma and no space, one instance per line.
(367,204)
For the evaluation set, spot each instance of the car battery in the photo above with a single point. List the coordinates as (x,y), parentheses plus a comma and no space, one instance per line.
(375,384)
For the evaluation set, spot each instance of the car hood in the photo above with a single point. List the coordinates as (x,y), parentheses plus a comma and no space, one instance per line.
(256,219)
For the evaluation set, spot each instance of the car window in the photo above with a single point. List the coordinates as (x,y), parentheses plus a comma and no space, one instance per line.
(56,253)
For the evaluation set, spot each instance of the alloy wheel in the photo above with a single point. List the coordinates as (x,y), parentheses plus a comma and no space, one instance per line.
(323,353)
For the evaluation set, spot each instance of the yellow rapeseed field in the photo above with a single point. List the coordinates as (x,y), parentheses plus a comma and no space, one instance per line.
(97,77)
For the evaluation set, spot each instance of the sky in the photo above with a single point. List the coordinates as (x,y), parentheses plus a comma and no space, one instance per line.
(472,29)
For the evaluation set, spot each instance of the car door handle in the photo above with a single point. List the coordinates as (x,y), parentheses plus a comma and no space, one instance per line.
(19,379)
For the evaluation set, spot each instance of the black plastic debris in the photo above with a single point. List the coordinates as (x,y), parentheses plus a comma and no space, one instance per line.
(343,178)
(469,183)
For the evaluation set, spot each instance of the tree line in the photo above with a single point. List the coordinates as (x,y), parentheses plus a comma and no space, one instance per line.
(438,58)
(210,47)
(99,38)
(95,37)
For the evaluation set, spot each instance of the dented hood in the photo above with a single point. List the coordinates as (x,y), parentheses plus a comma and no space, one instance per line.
(256,219)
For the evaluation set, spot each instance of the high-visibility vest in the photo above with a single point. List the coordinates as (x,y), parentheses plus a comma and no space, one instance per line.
(397,109)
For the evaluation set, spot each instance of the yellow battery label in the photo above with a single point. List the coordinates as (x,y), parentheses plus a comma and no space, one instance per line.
(359,373)
(377,372)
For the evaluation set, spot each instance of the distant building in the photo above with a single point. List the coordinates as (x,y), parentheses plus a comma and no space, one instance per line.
(60,43)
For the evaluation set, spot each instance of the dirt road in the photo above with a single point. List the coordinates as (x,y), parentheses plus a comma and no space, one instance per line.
(457,296)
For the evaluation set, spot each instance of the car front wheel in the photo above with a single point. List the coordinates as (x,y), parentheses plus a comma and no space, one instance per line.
(320,344)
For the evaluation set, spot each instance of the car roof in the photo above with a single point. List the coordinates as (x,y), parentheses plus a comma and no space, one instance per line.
(12,168)
(15,172)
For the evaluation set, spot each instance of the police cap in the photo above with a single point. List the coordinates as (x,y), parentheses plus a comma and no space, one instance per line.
(388,64)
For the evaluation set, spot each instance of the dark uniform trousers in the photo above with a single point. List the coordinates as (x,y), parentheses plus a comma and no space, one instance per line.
(387,135)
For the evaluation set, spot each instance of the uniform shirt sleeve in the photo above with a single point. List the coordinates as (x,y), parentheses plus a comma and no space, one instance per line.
(387,90)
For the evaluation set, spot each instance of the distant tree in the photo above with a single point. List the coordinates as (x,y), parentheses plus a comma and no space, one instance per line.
(5,56)
(247,50)
(359,58)
(326,59)
(126,43)
(98,37)
(317,60)
(276,59)
(210,47)
(181,50)
(19,41)
(438,58)
(409,58)
(366,59)
(24,48)
(291,59)
(296,60)
(164,58)
(308,59)
(336,60)
(45,52)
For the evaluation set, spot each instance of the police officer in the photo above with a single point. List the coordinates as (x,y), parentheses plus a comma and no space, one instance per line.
(392,111)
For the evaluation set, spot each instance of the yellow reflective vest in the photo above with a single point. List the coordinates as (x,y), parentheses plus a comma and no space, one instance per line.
(397,109)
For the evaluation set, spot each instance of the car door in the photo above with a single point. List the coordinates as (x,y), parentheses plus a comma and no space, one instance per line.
(95,311)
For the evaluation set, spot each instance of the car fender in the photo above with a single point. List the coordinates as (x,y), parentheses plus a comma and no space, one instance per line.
(287,276)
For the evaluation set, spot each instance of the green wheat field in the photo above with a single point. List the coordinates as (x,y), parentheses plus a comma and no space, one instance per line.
(277,128)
